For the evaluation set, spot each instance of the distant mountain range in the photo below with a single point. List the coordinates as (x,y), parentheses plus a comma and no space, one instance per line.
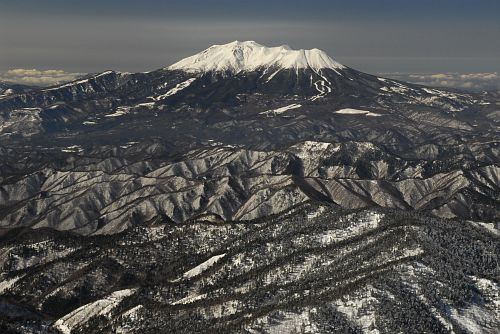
(248,136)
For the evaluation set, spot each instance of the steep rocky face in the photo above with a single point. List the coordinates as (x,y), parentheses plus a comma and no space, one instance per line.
(315,268)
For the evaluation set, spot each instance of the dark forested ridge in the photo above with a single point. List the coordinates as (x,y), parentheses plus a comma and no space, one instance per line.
(313,269)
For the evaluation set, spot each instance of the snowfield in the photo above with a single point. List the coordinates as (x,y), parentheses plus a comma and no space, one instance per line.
(120,111)
(350,111)
(248,56)
(281,110)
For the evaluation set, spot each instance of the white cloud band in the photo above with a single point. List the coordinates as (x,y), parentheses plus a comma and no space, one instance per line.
(468,81)
(38,77)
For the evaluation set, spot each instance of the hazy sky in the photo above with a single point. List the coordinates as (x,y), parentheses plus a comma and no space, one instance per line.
(424,36)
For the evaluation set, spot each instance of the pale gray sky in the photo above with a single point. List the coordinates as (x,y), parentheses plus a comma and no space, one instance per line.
(373,36)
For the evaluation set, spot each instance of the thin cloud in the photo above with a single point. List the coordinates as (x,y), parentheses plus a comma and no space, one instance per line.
(38,77)
(468,81)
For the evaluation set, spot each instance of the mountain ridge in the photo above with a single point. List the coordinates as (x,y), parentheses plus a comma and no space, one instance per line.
(247,56)
(102,122)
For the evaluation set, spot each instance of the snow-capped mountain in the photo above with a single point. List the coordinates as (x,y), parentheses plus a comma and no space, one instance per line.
(253,101)
(368,203)
(248,56)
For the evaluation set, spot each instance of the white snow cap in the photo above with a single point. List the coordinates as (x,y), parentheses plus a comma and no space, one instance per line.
(248,56)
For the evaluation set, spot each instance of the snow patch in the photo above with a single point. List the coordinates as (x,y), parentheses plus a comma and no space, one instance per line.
(322,88)
(120,111)
(201,267)
(72,149)
(350,111)
(440,93)
(129,317)
(272,76)
(7,284)
(190,299)
(491,291)
(101,307)
(490,227)
(176,89)
(146,104)
(281,110)
(316,213)
(9,91)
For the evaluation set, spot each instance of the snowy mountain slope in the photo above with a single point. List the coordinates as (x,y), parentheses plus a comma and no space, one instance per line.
(248,56)
(224,183)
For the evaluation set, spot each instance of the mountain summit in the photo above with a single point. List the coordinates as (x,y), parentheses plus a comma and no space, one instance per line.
(236,57)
